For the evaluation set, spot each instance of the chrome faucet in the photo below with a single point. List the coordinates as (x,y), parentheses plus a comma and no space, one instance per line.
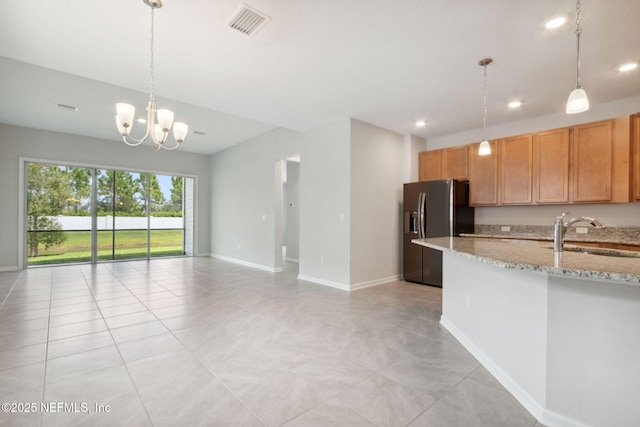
(560,228)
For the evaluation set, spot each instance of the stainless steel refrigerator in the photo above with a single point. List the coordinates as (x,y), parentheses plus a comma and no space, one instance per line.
(432,209)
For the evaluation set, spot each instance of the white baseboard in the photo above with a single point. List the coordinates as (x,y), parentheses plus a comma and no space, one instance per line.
(248,264)
(361,285)
(342,286)
(345,286)
(518,392)
(295,261)
(10,268)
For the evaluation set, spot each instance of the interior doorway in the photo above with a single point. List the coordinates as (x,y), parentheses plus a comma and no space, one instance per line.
(288,222)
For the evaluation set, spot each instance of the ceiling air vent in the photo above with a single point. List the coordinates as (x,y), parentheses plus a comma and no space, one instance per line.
(247,20)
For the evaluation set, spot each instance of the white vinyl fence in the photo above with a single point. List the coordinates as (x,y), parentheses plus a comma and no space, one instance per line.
(121,222)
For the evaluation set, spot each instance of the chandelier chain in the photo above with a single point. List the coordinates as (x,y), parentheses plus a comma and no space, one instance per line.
(151,75)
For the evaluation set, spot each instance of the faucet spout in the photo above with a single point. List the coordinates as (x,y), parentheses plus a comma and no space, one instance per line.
(560,228)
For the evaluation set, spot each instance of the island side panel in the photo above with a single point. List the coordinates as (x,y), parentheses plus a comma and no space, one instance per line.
(500,316)
(593,369)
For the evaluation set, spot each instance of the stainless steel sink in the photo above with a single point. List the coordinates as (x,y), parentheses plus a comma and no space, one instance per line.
(602,251)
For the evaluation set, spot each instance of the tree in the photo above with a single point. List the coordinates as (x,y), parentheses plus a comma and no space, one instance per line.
(81,187)
(157,196)
(127,192)
(176,193)
(47,193)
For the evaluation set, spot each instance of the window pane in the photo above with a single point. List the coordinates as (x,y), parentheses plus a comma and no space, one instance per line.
(167,218)
(58,214)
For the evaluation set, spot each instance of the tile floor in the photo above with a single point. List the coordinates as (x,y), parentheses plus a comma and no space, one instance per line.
(202,342)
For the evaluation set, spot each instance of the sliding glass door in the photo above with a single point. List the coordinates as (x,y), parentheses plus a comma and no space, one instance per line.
(58,214)
(131,215)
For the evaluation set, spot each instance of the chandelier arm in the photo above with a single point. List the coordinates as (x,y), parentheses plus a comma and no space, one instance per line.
(132,144)
(175,147)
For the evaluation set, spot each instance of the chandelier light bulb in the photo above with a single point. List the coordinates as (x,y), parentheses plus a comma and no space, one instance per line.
(165,119)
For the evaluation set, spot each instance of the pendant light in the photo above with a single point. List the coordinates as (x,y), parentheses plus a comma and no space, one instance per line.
(578,101)
(157,130)
(485,148)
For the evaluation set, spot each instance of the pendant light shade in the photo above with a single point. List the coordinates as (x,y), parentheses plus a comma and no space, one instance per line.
(485,148)
(578,101)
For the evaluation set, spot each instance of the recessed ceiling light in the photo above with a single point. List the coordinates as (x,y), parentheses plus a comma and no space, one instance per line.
(628,66)
(555,22)
(421,123)
(515,104)
(141,120)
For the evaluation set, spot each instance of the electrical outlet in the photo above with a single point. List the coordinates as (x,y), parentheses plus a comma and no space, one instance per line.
(321,260)
(467,302)
(582,230)
(505,228)
(239,246)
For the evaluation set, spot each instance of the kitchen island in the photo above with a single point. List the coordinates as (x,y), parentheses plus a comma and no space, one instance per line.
(563,337)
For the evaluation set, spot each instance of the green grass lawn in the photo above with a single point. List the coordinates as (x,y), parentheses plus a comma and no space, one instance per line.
(128,244)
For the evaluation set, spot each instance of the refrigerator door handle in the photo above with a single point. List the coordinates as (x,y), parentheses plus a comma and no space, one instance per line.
(424,216)
(421,223)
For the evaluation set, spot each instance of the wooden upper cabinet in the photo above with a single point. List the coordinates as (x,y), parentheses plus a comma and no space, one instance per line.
(516,170)
(430,165)
(483,176)
(455,163)
(551,158)
(593,162)
(635,134)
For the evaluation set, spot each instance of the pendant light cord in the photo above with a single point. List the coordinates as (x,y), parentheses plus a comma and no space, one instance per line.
(484,116)
(578,32)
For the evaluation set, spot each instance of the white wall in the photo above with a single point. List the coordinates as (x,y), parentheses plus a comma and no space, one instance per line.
(413,145)
(377,175)
(243,192)
(612,215)
(17,142)
(325,200)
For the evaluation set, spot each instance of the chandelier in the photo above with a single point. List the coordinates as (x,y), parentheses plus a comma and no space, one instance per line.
(159,121)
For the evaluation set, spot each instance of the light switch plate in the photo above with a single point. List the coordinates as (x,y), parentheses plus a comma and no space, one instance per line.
(505,228)
(582,230)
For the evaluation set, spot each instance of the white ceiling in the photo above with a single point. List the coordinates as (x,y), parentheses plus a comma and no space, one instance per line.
(386,62)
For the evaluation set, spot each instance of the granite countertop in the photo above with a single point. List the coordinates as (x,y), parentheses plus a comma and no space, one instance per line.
(533,255)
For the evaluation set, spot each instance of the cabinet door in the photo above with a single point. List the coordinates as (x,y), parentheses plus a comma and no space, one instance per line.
(430,165)
(455,163)
(483,176)
(635,126)
(592,162)
(516,170)
(551,166)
